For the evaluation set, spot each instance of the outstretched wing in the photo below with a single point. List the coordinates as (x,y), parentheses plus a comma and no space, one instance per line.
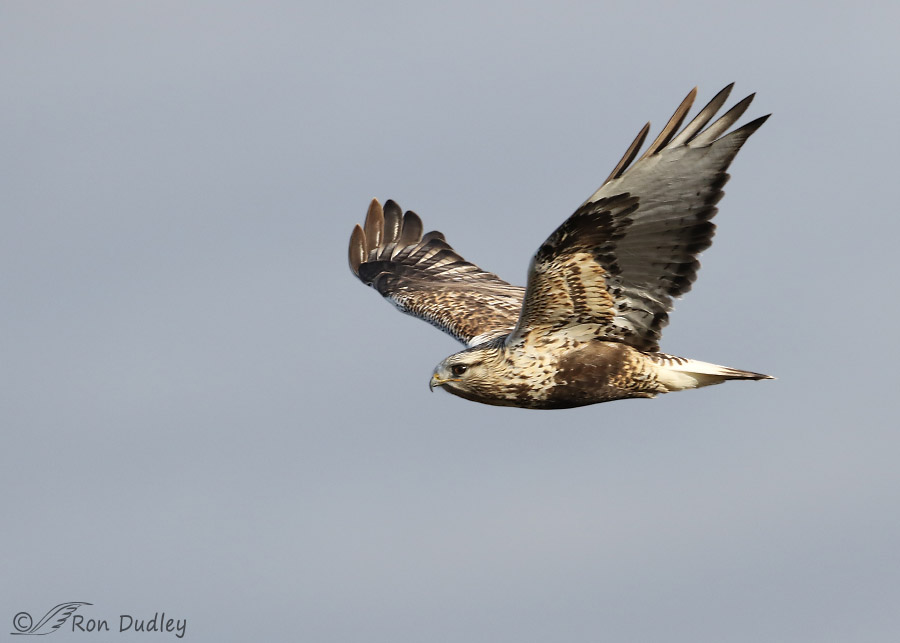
(613,268)
(424,277)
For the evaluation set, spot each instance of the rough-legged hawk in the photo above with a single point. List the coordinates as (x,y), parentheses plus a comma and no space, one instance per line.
(586,327)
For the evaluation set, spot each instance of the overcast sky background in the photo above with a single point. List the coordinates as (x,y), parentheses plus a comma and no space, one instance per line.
(204,413)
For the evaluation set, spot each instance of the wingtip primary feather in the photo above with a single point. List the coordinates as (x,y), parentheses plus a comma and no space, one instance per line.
(739,136)
(630,153)
(752,126)
(357,252)
(374,226)
(703,117)
(411,229)
(721,125)
(671,128)
(393,220)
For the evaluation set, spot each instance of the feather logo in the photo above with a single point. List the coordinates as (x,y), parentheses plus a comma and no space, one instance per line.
(24,624)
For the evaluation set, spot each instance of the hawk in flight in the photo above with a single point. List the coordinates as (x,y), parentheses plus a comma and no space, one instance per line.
(586,327)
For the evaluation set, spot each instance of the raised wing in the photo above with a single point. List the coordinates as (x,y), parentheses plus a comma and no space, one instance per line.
(568,282)
(613,268)
(424,277)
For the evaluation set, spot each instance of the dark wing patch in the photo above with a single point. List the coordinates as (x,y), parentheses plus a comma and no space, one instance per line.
(643,230)
(424,277)
(568,282)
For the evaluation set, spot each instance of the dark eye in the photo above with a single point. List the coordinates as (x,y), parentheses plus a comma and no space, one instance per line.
(458,369)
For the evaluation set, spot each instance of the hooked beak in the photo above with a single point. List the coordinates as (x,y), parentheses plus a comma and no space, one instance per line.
(437,381)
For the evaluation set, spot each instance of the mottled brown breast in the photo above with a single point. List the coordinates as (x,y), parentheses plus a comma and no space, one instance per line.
(601,371)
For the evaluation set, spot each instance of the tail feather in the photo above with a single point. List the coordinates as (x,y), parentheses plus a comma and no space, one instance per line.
(679,373)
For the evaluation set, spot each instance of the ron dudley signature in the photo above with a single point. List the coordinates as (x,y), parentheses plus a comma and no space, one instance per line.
(65,616)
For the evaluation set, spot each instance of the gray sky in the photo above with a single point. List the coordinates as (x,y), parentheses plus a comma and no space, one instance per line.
(205,414)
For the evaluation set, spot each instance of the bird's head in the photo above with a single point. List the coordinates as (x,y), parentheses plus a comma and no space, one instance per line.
(469,373)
